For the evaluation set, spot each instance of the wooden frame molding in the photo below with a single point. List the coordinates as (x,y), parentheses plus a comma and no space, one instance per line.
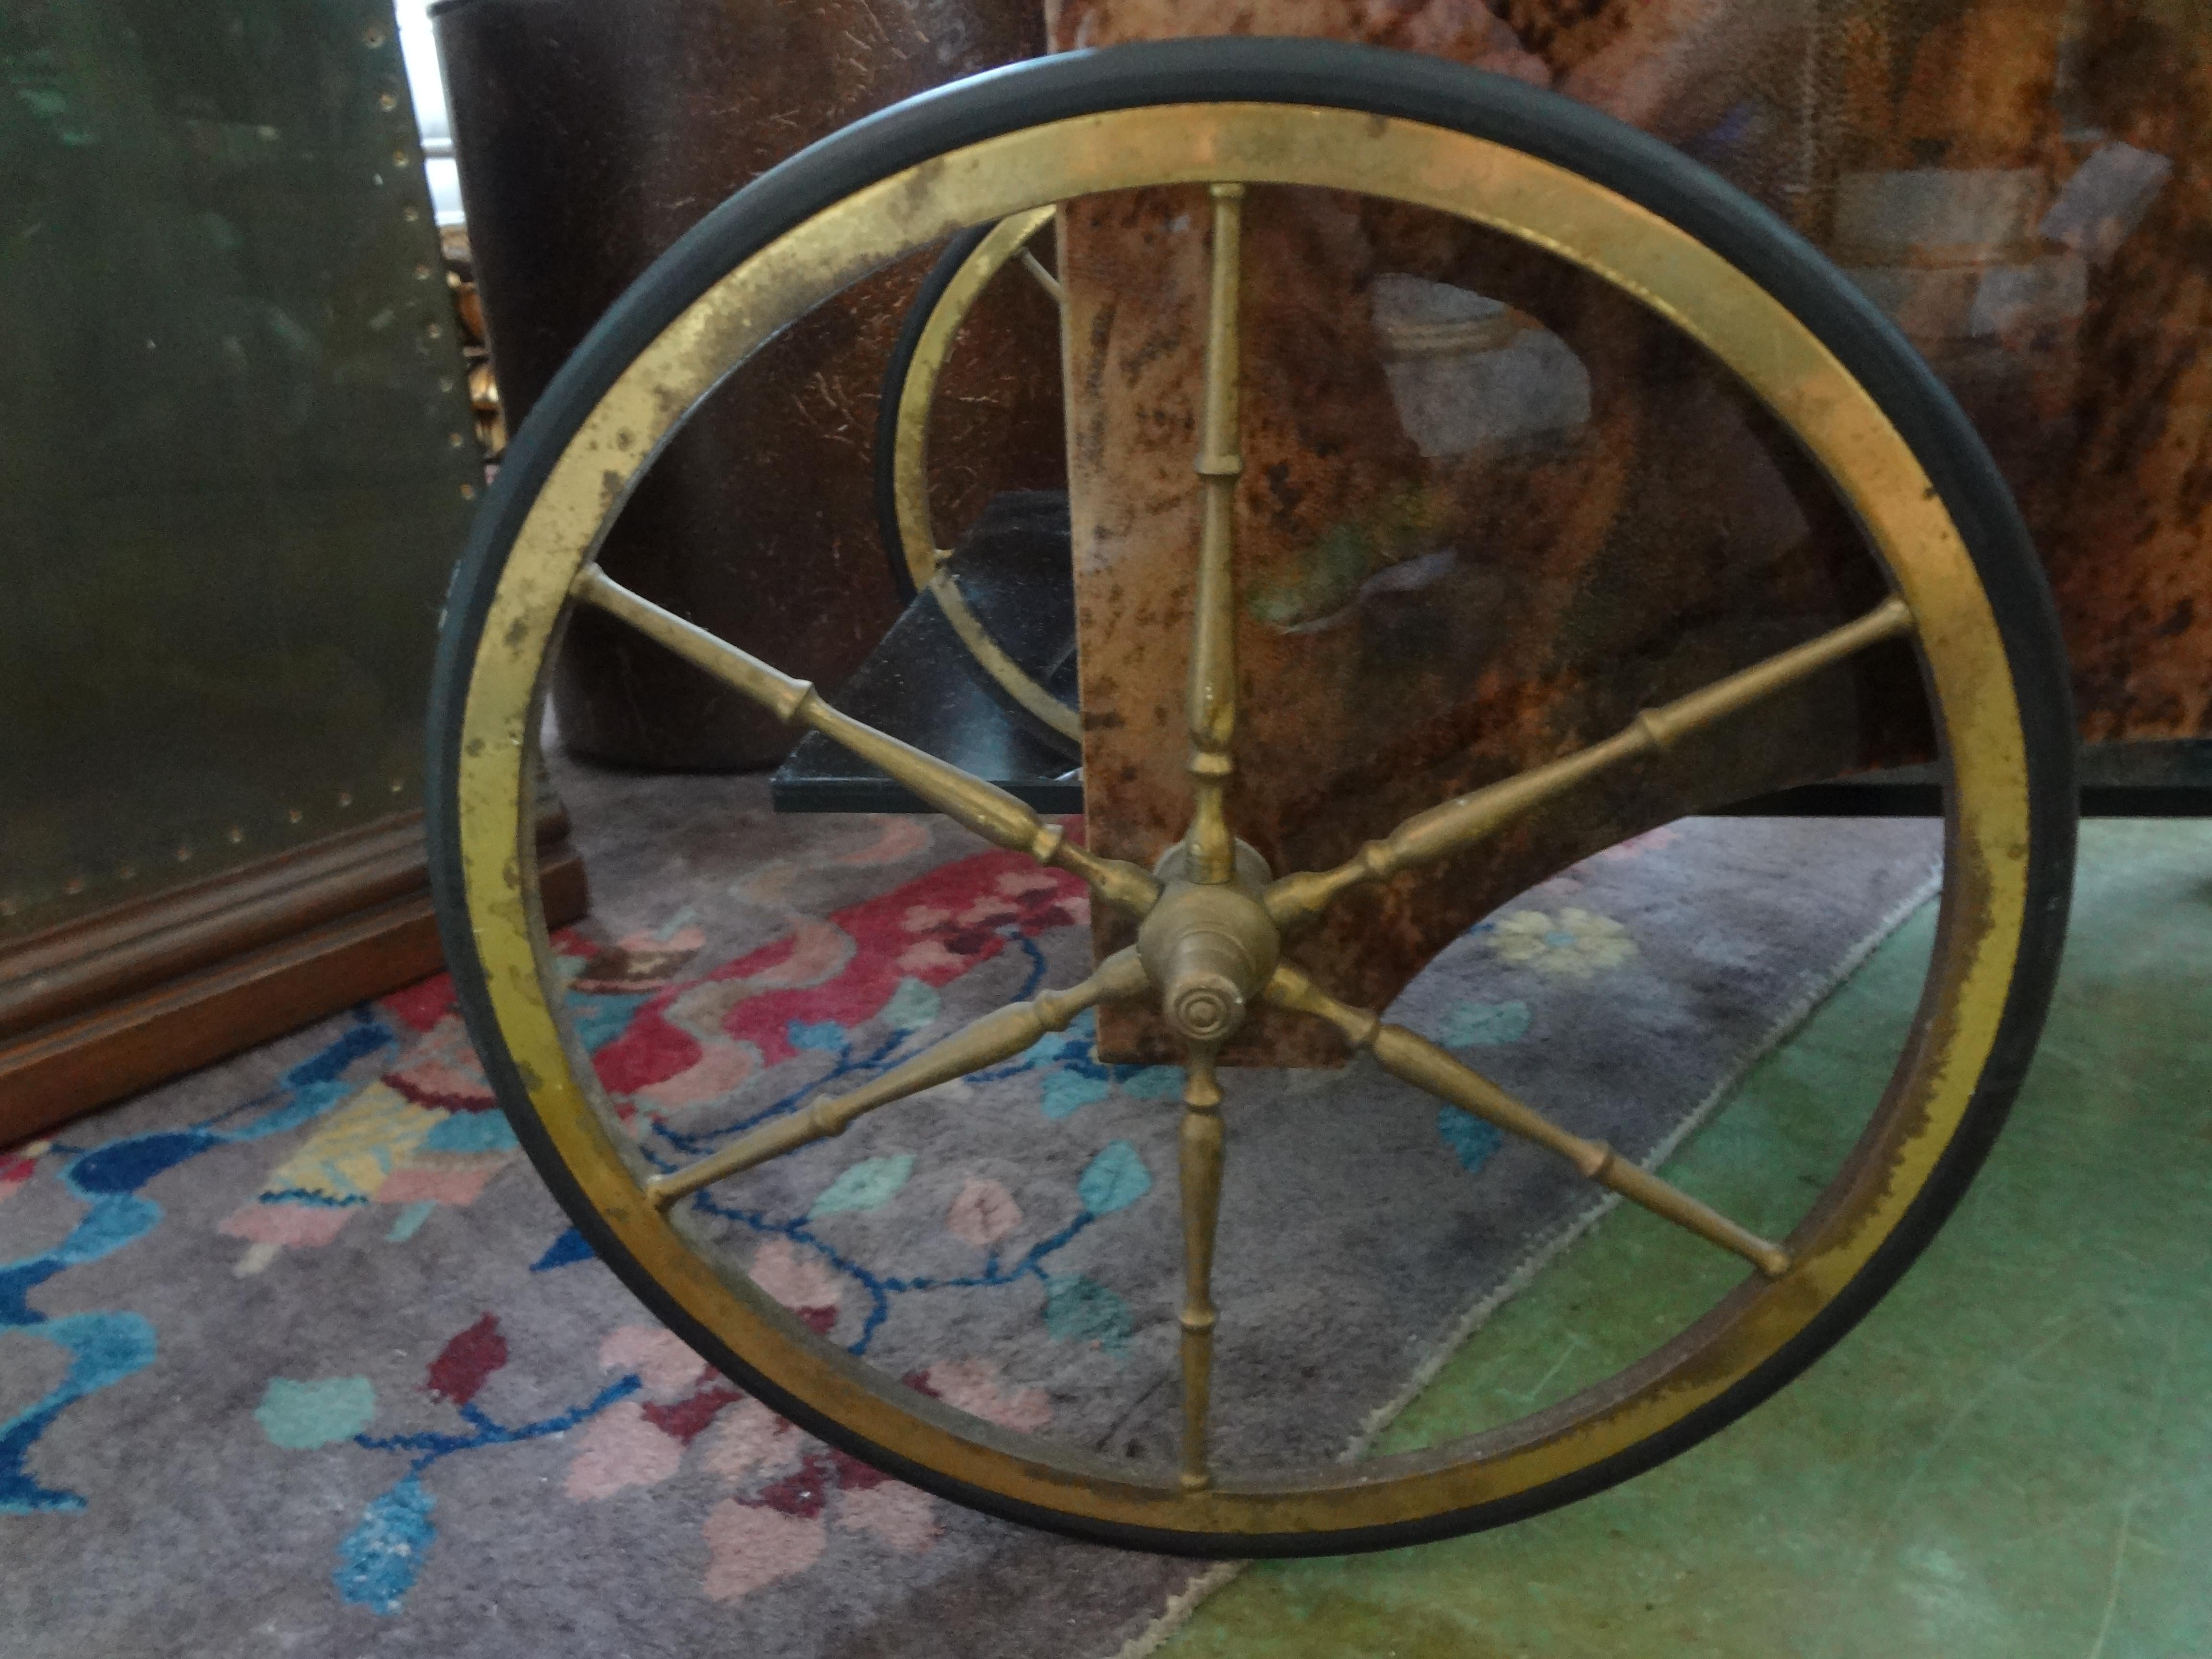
(99,1008)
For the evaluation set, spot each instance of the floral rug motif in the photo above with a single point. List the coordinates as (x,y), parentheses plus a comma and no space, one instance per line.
(298,1351)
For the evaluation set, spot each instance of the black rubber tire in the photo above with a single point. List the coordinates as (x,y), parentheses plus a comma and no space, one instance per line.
(933,287)
(1419,88)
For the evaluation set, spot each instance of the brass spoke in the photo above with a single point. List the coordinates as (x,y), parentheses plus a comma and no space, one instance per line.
(1046,280)
(1201,1179)
(997,1035)
(985,808)
(1212,713)
(1459,823)
(1421,1063)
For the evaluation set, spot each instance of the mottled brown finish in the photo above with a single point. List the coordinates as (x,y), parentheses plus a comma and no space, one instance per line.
(2103,420)
(1415,627)
(590,136)
(1419,624)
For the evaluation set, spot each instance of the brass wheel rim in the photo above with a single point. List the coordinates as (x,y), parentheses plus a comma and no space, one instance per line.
(1984,908)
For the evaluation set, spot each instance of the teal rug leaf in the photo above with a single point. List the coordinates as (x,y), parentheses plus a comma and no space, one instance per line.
(1116,1179)
(913,1006)
(824,1037)
(1150,1082)
(865,1186)
(300,1416)
(1483,1024)
(378,1558)
(1078,1309)
(1472,1140)
(1067,1093)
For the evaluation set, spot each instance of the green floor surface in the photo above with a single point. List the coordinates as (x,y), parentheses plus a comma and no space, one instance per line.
(2011,1457)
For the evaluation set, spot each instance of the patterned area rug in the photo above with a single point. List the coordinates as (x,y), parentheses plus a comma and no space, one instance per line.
(297,1356)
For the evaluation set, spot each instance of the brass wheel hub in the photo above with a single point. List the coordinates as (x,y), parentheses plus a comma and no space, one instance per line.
(1210,950)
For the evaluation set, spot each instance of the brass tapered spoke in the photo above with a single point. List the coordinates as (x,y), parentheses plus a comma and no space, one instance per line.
(1200,1178)
(1212,712)
(1046,280)
(1421,1063)
(1459,823)
(997,1035)
(985,808)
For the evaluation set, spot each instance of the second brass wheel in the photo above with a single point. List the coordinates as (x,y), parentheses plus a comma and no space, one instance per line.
(1032,678)
(1219,935)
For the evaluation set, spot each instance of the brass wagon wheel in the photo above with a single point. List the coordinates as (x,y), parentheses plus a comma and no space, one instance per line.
(1217,935)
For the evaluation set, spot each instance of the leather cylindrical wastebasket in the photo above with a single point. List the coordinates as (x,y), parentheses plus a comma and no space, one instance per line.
(590,137)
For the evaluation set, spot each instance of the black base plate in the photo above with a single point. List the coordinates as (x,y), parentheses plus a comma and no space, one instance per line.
(921,685)
(916,687)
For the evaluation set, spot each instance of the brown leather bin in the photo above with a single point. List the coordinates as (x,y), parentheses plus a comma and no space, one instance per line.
(590,137)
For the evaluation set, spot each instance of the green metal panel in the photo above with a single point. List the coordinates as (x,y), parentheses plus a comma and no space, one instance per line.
(236,462)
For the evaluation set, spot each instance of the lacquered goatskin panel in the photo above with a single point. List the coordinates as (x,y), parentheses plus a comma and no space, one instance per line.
(2096,398)
(1417,624)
